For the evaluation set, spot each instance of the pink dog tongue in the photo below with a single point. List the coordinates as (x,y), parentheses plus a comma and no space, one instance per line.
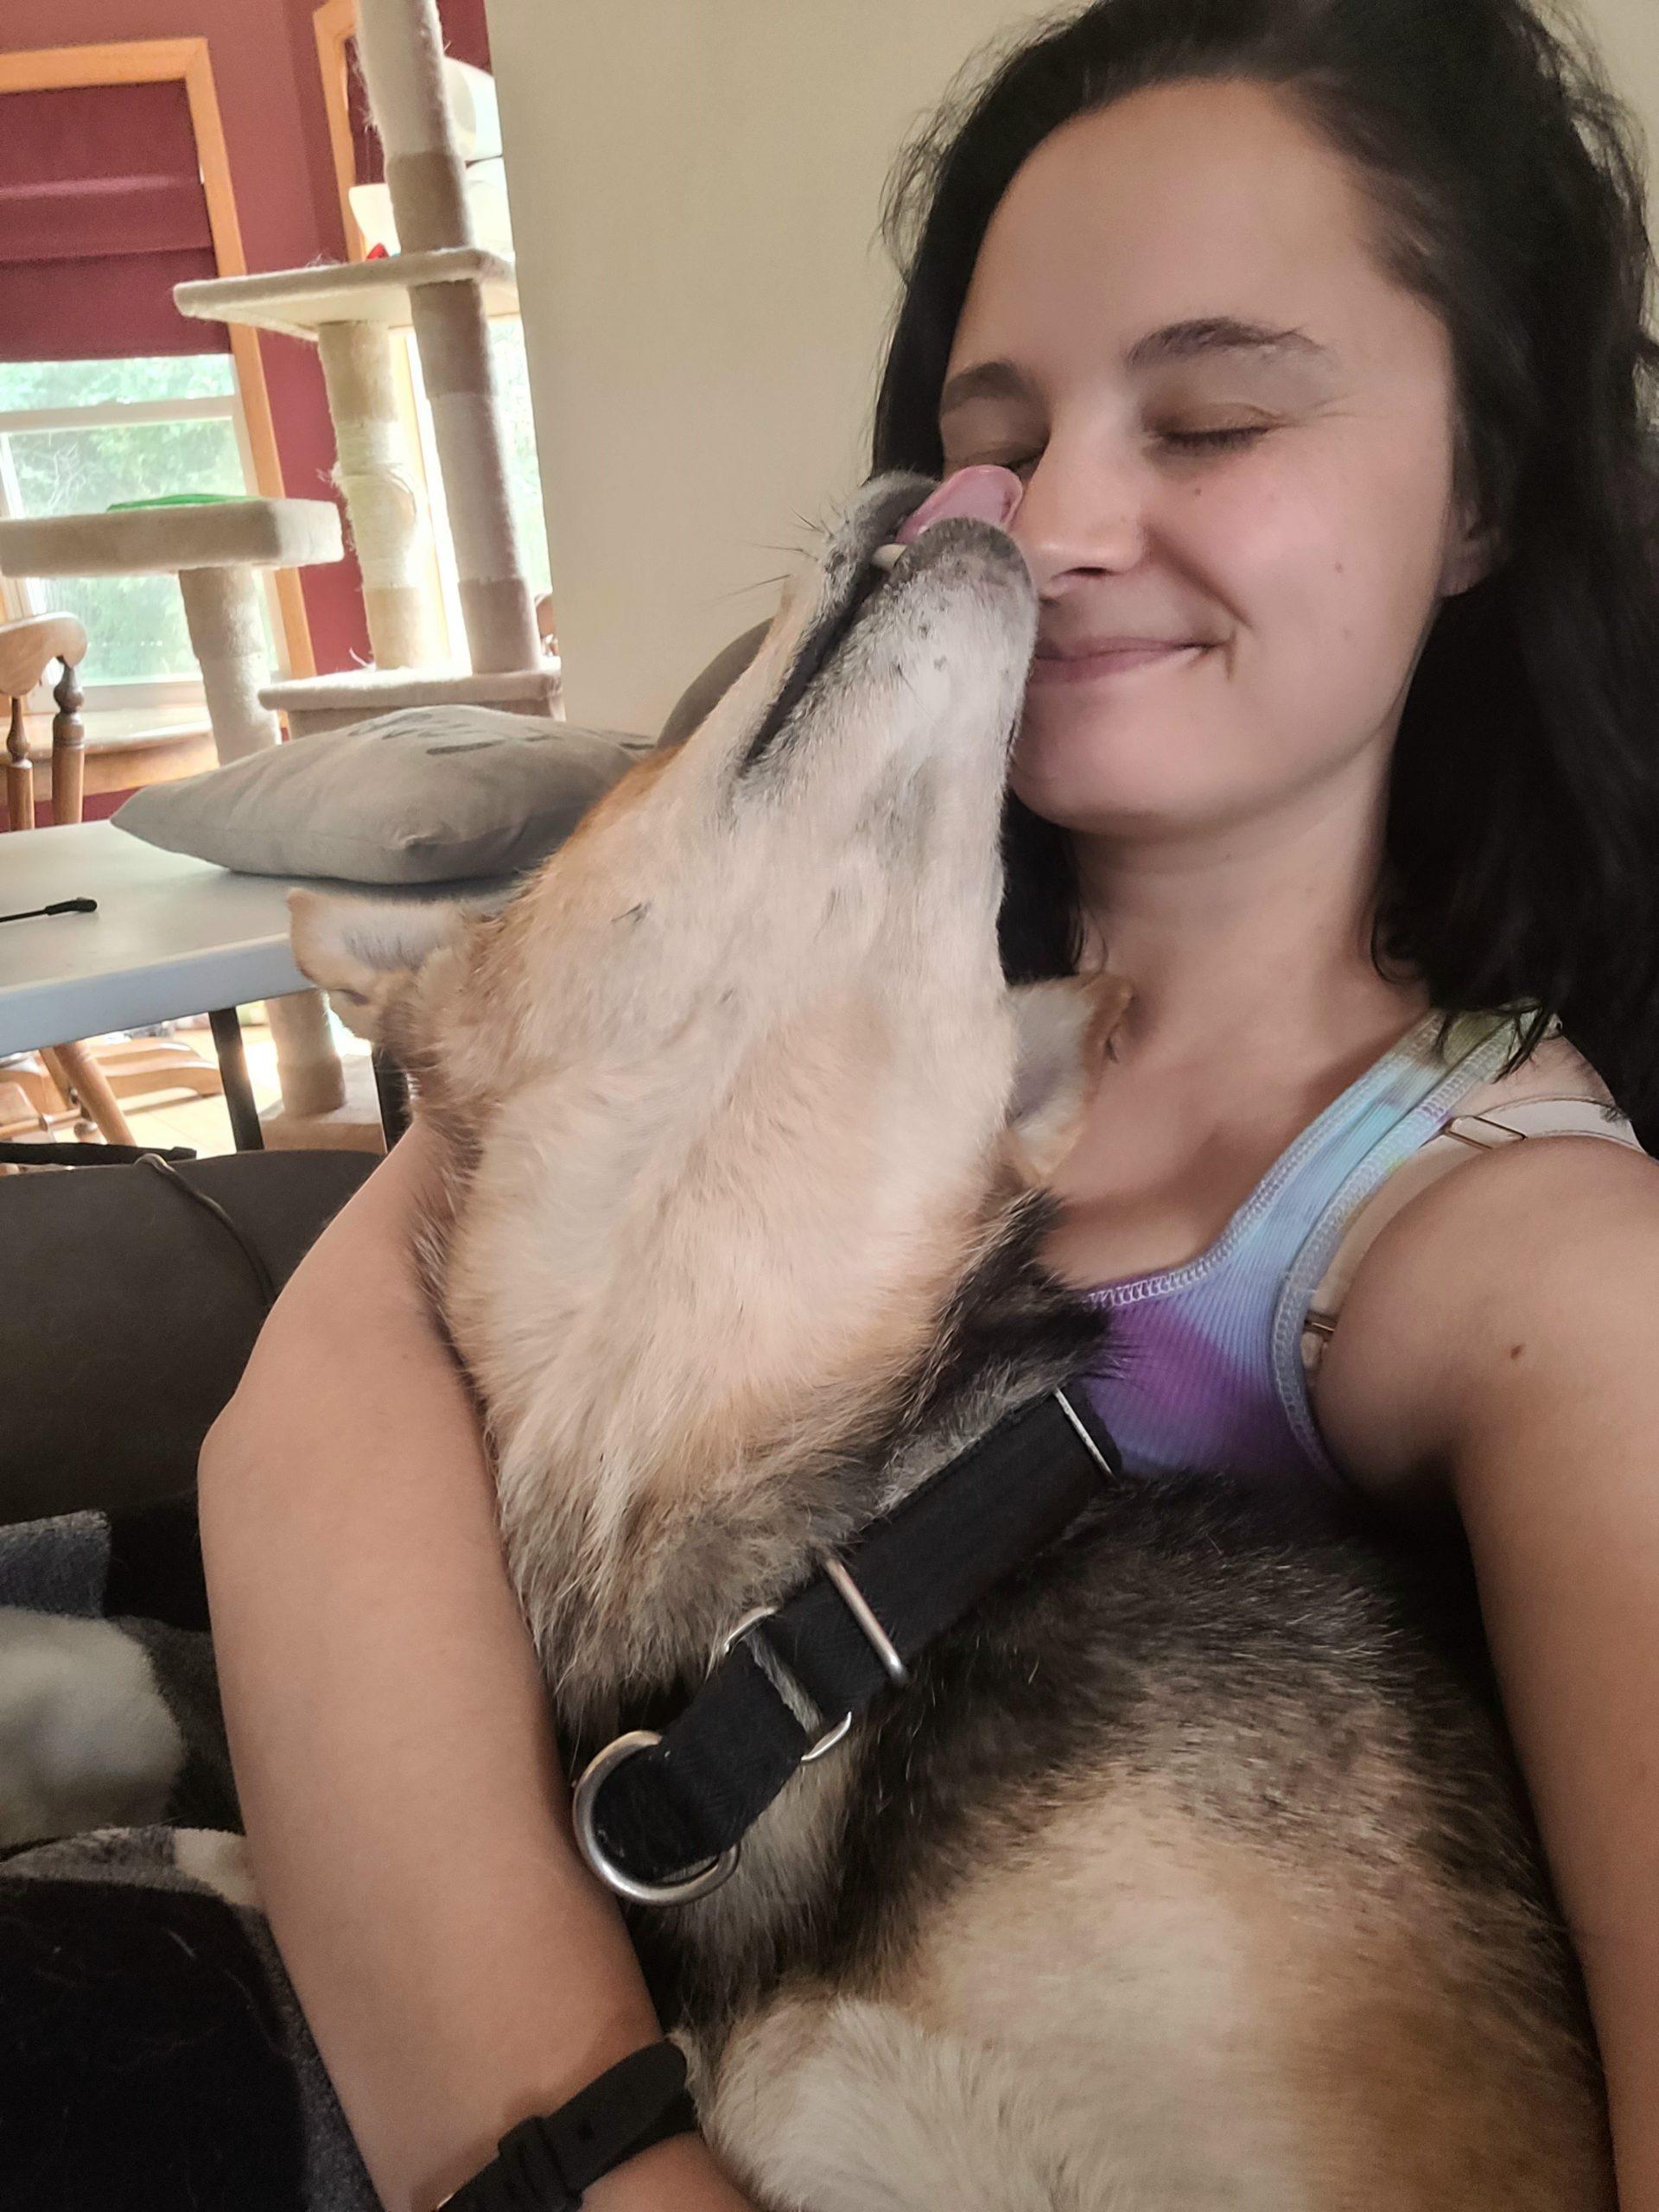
(979,494)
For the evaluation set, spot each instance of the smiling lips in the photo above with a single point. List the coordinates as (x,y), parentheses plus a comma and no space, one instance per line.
(1083,668)
(992,494)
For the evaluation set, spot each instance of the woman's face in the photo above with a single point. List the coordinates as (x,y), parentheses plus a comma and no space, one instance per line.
(1287,507)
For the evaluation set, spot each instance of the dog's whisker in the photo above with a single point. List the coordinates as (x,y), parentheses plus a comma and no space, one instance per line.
(760,583)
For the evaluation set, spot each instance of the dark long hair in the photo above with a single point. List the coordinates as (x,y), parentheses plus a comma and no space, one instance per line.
(1505,180)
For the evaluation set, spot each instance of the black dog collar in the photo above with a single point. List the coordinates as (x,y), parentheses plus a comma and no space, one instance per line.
(660,1819)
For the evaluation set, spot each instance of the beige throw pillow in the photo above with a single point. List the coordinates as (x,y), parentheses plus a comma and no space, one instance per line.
(422,795)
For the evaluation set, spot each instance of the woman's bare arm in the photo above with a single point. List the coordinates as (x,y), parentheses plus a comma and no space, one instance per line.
(399,1783)
(1502,1328)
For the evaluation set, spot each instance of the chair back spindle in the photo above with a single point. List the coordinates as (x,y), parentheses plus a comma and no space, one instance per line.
(20,775)
(28,650)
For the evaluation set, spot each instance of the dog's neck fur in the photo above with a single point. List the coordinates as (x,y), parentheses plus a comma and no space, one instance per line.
(720,1388)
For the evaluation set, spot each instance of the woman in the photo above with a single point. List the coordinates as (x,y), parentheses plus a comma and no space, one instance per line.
(1404,547)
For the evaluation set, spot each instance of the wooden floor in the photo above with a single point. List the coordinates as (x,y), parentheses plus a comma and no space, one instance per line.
(203,1124)
(177,1118)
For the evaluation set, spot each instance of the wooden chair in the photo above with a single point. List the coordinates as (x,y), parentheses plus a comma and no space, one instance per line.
(28,649)
(34,1098)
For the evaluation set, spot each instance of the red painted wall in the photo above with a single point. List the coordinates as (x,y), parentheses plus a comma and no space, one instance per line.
(281,171)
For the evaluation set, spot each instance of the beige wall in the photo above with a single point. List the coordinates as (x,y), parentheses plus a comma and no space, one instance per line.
(695,188)
(1628,34)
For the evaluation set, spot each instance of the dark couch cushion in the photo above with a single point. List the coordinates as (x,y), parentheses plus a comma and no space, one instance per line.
(127,1314)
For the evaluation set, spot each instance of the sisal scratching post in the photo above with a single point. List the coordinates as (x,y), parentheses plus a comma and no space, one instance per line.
(453,335)
(221,611)
(377,486)
(401,49)
(309,1073)
(221,608)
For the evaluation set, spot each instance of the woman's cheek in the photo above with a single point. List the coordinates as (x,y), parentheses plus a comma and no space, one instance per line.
(1323,604)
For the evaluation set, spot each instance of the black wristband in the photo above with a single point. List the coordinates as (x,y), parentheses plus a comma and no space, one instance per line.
(544,2166)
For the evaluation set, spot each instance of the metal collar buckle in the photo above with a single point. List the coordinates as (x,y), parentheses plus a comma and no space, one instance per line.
(869,1627)
(830,1737)
(701,1881)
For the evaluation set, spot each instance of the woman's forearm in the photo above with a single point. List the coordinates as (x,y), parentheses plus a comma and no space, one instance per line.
(398,1779)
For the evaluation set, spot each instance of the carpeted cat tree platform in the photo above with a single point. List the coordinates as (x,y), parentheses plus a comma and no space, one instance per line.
(445,285)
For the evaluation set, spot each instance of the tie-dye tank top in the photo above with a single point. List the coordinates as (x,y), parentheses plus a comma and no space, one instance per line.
(1202,1364)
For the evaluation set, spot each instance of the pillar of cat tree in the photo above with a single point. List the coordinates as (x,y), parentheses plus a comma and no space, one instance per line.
(377,486)
(221,608)
(401,49)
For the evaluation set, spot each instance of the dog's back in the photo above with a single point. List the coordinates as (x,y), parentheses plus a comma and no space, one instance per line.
(1192,1872)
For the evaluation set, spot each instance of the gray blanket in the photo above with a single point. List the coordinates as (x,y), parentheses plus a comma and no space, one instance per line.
(152,2052)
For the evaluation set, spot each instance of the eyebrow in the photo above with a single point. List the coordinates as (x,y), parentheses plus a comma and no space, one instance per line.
(1194,340)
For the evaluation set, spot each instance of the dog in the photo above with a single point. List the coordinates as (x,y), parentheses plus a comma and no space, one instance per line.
(1191,1868)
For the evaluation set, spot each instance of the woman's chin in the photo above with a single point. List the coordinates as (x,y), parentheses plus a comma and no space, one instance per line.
(1117,799)
(1113,774)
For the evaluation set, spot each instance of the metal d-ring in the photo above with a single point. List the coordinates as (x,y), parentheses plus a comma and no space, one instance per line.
(866,1622)
(1084,1437)
(697,1884)
(830,1737)
(828,1741)
(753,1619)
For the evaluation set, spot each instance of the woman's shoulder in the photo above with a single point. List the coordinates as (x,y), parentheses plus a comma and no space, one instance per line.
(1523,1242)
(1556,1069)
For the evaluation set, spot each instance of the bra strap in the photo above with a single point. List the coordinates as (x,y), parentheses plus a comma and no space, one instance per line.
(1460,1139)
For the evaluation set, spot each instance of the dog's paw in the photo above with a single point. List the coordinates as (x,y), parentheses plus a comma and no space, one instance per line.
(364,952)
(86,1740)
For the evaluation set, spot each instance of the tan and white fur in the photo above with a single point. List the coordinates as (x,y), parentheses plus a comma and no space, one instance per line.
(1194,1871)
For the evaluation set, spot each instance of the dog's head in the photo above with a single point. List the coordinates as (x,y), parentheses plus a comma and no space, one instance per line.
(831,828)
(736,1080)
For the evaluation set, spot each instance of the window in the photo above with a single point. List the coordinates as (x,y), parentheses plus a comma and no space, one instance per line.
(76,437)
(518,435)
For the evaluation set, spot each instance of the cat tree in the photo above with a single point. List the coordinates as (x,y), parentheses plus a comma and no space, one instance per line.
(444,284)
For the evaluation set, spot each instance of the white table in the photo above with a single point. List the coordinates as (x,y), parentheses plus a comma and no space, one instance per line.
(214,548)
(171,936)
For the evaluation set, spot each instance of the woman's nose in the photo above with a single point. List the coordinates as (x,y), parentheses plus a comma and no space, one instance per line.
(1070,523)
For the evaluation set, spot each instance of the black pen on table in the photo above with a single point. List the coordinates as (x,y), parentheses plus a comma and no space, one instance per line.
(58,907)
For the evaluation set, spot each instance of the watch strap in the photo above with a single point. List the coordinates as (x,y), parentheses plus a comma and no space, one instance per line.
(544,2164)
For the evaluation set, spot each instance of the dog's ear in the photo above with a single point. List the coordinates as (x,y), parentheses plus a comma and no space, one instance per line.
(364,952)
(1063,1028)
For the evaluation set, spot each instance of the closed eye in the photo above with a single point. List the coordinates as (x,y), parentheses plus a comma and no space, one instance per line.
(1223,438)
(1217,440)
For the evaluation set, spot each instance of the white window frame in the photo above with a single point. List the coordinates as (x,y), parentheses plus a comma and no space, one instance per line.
(21,596)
